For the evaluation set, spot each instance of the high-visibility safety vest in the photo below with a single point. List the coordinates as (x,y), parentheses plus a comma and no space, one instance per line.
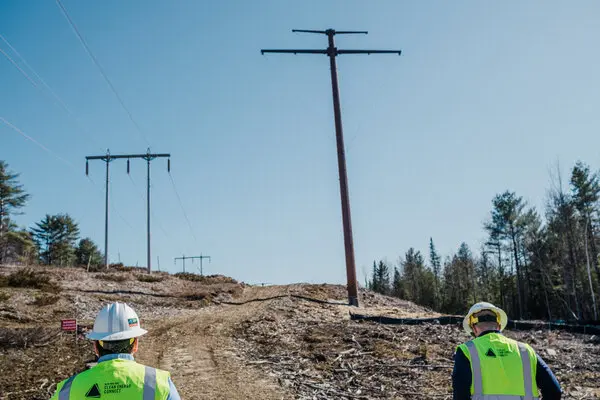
(115,379)
(502,368)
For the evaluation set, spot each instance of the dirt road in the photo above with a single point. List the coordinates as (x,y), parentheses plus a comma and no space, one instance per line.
(198,351)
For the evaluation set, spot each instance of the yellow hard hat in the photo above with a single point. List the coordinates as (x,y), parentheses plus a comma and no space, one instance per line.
(483,306)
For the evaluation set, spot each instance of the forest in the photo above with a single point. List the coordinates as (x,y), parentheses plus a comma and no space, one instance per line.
(535,264)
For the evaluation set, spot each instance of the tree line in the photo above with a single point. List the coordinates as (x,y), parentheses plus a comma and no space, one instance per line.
(535,266)
(54,240)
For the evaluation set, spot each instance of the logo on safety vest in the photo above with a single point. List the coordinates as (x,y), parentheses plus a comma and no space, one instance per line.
(490,353)
(94,392)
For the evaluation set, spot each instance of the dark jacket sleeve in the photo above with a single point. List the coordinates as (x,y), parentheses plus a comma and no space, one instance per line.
(461,377)
(546,381)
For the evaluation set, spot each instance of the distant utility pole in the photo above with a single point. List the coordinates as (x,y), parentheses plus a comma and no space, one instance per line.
(333,52)
(200,257)
(107,159)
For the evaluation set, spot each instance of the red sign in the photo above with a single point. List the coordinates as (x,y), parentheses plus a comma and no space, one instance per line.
(68,324)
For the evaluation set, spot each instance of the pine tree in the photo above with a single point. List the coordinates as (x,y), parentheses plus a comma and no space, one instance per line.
(55,237)
(87,251)
(12,199)
(383,277)
(436,265)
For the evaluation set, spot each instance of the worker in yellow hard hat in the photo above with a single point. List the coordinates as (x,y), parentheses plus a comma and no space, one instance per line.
(117,376)
(492,366)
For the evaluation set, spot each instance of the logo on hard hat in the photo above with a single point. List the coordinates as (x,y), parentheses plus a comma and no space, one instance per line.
(133,322)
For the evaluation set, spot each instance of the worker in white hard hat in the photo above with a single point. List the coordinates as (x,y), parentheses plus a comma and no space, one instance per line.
(117,376)
(492,366)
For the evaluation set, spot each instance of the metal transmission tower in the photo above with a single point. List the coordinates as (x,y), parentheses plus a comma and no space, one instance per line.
(108,158)
(200,257)
(333,52)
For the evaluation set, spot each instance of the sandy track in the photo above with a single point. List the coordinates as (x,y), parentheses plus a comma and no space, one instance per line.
(199,353)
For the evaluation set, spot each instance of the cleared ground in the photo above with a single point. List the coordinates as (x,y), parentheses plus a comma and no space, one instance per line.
(225,340)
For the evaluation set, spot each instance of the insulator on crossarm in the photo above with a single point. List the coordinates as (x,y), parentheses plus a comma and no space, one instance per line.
(168,165)
(87,167)
(128,166)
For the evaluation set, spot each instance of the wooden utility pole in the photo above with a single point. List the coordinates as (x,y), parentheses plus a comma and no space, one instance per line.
(148,157)
(332,52)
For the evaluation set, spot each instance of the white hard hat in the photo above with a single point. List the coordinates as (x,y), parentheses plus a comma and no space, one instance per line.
(116,321)
(481,306)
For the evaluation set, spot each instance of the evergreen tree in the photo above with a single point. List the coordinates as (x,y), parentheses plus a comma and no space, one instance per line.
(436,266)
(87,251)
(397,285)
(508,223)
(383,277)
(585,188)
(12,199)
(55,237)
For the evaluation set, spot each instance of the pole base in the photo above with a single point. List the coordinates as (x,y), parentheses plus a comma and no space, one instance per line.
(353,301)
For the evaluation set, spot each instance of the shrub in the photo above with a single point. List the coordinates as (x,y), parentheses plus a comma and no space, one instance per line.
(206,279)
(4,296)
(150,278)
(29,278)
(45,299)
(112,277)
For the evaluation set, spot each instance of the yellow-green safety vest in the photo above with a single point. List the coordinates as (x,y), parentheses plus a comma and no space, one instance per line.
(502,368)
(115,379)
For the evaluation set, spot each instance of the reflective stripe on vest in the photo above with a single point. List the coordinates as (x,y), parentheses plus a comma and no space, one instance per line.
(65,391)
(149,383)
(149,386)
(478,378)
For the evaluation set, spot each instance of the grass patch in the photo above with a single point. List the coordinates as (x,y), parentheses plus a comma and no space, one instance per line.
(45,299)
(112,277)
(29,278)
(150,278)
(4,296)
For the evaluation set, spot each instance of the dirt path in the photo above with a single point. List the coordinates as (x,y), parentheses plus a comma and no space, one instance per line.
(198,351)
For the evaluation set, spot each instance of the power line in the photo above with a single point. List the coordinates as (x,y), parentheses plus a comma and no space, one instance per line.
(26,136)
(13,62)
(182,208)
(97,63)
(56,97)
(34,141)
(136,189)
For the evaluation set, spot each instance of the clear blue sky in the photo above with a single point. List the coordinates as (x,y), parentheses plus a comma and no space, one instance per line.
(486,97)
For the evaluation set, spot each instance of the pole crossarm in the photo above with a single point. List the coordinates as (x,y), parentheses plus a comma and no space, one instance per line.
(326,51)
(339,52)
(330,32)
(332,52)
(299,51)
(111,157)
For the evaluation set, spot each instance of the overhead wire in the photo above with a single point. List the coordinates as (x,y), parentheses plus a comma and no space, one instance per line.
(97,63)
(26,136)
(57,156)
(13,62)
(136,188)
(120,100)
(182,208)
(56,97)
